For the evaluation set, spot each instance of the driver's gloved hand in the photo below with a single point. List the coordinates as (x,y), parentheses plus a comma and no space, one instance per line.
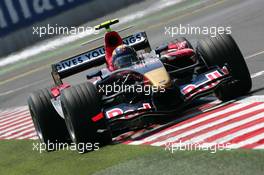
(166,58)
(160,49)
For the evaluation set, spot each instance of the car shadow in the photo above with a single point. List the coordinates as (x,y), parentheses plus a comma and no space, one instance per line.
(198,107)
(192,110)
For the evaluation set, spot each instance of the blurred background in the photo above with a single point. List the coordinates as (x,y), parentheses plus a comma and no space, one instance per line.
(18,18)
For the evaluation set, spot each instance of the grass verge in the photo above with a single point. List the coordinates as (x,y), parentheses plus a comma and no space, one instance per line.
(17,157)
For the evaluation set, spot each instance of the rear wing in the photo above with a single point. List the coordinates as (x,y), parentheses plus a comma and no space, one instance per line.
(94,57)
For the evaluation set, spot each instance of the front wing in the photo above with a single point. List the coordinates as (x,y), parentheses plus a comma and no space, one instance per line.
(127,116)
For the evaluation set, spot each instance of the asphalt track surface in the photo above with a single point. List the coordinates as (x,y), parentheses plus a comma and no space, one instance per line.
(245,18)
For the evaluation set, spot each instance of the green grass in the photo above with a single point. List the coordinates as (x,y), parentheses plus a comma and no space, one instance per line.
(18,157)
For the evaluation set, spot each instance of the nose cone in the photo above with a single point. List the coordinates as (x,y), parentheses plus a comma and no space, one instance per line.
(159,77)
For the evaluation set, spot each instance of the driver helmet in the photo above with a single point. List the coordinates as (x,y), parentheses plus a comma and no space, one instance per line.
(124,56)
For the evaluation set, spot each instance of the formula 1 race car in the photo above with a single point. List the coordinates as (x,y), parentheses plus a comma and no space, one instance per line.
(158,84)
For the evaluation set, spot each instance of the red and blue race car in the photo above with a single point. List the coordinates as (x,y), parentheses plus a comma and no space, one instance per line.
(137,88)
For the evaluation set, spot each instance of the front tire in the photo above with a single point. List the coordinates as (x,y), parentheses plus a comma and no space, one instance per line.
(80,104)
(221,50)
(50,127)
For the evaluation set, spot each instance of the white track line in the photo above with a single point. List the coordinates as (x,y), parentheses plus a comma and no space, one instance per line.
(164,133)
(17,130)
(23,87)
(6,111)
(11,114)
(259,147)
(26,115)
(21,133)
(35,137)
(29,136)
(258,74)
(15,123)
(227,127)
(15,127)
(247,141)
(239,133)
(192,131)
(255,54)
(10,118)
(251,99)
(255,75)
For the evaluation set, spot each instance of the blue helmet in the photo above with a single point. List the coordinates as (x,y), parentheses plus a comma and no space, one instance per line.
(124,56)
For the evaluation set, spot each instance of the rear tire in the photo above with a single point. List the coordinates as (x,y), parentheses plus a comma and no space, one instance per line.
(221,50)
(49,126)
(80,104)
